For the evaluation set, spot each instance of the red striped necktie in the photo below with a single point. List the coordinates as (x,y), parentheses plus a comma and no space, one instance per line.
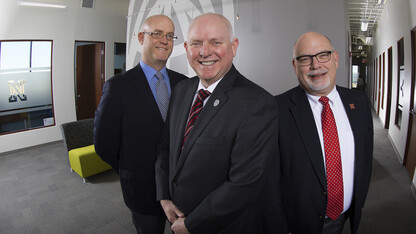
(196,109)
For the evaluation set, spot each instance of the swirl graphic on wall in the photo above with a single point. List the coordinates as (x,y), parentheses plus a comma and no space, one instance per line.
(181,12)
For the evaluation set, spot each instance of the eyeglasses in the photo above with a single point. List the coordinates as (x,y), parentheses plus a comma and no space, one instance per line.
(322,57)
(160,35)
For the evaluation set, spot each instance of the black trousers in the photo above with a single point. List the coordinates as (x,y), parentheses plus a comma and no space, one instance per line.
(148,224)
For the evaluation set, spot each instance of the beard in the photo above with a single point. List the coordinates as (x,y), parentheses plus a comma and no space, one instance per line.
(320,84)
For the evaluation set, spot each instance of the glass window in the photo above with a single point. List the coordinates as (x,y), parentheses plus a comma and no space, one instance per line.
(41,54)
(25,85)
(355,75)
(15,55)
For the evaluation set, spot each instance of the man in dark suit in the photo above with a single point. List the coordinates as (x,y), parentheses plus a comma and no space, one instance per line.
(130,118)
(318,186)
(209,175)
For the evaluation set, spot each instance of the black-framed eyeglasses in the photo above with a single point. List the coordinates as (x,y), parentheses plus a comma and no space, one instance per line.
(322,57)
(160,35)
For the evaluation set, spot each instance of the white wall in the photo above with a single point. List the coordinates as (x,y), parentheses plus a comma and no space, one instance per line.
(412,10)
(395,24)
(267,30)
(106,22)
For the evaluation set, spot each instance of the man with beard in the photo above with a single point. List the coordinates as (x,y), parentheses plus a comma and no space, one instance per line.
(325,146)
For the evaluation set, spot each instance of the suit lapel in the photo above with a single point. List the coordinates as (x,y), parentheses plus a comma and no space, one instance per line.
(173,79)
(182,112)
(143,88)
(219,97)
(308,132)
(353,109)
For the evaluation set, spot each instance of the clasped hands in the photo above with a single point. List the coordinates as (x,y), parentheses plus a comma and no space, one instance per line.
(175,217)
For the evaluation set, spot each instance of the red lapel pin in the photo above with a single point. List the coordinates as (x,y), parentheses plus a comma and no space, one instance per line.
(352,106)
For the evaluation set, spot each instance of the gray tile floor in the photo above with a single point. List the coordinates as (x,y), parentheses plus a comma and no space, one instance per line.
(390,206)
(38,194)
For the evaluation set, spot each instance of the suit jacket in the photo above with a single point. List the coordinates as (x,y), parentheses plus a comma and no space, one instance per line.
(127,128)
(217,178)
(303,185)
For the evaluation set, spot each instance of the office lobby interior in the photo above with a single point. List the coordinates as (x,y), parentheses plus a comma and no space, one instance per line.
(376,41)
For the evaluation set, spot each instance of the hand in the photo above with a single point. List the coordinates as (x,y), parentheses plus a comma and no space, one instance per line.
(178,227)
(172,212)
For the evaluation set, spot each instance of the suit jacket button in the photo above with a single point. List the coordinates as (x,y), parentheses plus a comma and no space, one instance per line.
(324,193)
(321,217)
(174,184)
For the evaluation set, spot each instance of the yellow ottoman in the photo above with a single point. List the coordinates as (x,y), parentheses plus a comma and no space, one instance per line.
(85,162)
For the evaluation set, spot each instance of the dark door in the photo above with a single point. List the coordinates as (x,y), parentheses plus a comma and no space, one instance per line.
(410,161)
(383,71)
(389,85)
(410,154)
(89,76)
(379,85)
(373,83)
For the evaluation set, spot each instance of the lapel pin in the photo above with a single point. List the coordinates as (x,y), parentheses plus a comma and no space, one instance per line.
(352,106)
(216,102)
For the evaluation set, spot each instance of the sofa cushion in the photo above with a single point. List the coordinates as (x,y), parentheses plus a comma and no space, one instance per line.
(85,162)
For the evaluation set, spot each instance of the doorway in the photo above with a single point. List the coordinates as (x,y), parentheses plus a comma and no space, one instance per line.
(119,58)
(373,82)
(89,80)
(379,85)
(389,85)
(410,153)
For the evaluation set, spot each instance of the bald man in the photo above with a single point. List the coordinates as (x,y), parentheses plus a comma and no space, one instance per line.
(211,167)
(129,120)
(325,148)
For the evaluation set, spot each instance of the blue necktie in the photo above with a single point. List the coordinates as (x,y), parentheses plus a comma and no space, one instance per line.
(162,95)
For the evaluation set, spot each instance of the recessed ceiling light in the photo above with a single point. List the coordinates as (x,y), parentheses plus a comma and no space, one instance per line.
(364,26)
(42,4)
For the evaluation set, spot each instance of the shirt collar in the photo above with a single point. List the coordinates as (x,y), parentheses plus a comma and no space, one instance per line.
(150,72)
(314,100)
(210,88)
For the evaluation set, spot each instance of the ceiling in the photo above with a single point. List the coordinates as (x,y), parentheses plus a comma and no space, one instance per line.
(363,11)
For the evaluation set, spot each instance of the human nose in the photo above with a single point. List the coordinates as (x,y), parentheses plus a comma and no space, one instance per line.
(315,62)
(164,39)
(205,50)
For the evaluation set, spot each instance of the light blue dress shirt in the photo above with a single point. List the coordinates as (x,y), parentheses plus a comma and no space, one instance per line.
(149,72)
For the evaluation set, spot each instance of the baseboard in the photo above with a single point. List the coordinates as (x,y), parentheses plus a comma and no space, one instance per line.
(381,121)
(395,149)
(29,148)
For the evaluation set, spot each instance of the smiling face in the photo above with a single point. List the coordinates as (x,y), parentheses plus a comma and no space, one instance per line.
(156,51)
(317,78)
(209,48)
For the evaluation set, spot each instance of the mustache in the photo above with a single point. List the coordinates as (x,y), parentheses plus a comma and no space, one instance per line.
(317,72)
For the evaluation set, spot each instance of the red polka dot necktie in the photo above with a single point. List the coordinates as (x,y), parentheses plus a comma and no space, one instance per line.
(195,110)
(333,162)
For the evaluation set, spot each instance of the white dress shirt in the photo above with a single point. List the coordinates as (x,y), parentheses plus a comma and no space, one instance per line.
(201,86)
(210,89)
(345,136)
